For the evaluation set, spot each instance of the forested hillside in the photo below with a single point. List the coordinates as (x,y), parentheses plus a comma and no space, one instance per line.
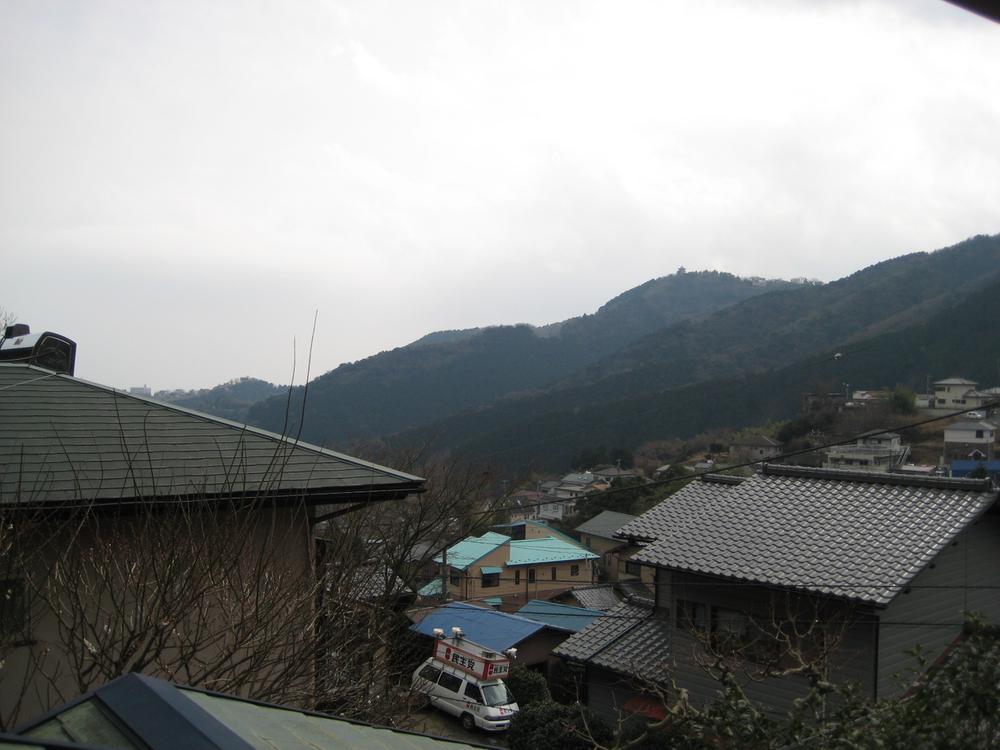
(961,339)
(446,372)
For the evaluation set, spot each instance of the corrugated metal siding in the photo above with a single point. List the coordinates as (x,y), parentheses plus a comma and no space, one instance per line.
(932,612)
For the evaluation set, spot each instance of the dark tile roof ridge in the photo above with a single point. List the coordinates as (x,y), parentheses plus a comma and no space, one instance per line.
(899,480)
(257,431)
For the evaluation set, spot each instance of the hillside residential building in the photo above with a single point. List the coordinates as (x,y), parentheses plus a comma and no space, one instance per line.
(883,562)
(611,473)
(970,441)
(955,394)
(535,566)
(576,485)
(598,535)
(881,452)
(753,448)
(103,459)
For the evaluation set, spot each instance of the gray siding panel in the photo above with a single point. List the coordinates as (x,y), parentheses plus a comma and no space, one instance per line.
(854,660)
(965,577)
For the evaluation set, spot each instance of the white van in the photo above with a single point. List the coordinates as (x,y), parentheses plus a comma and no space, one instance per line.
(462,680)
(487,705)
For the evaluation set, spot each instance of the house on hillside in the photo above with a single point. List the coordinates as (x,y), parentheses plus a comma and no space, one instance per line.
(137,711)
(879,452)
(956,394)
(865,566)
(161,494)
(753,448)
(598,535)
(612,472)
(515,570)
(970,441)
(578,484)
(524,504)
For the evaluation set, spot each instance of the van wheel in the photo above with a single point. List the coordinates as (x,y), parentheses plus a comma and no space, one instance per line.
(468,723)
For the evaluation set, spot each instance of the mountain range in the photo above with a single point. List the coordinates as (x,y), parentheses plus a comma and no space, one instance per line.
(675,356)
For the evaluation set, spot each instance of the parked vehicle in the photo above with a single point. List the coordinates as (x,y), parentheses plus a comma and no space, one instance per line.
(461,679)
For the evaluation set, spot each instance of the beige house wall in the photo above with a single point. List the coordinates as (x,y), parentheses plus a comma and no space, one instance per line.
(38,673)
(514,579)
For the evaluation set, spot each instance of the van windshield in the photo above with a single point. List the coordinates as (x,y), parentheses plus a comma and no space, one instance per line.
(496,694)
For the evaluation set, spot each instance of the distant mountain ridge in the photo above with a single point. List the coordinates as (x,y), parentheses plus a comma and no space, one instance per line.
(230,400)
(668,372)
(446,372)
(961,338)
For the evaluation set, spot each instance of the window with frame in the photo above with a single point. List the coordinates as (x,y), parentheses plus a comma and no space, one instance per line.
(13,612)
(430,673)
(455,578)
(553,573)
(574,570)
(517,576)
(473,692)
(450,682)
(531,575)
(491,580)
(633,568)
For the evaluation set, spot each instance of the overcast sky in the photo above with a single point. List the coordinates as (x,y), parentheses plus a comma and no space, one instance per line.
(182,184)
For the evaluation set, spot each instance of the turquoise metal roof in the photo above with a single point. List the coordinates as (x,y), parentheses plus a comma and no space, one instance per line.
(431,588)
(472,548)
(573,619)
(545,550)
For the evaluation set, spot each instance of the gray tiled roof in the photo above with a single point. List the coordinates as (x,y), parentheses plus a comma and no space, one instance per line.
(629,639)
(857,536)
(605,523)
(657,521)
(597,597)
(64,439)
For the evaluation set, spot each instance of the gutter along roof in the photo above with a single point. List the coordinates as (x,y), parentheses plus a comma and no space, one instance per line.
(63,439)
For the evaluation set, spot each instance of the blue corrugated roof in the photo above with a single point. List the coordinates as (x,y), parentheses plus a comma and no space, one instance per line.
(545,550)
(487,627)
(472,548)
(563,616)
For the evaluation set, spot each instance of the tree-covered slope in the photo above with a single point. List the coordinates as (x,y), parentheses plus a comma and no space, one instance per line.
(449,371)
(951,330)
(230,400)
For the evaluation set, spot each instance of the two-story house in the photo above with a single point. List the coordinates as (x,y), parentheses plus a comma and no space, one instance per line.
(514,571)
(882,451)
(844,571)
(116,507)
(970,441)
(598,535)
